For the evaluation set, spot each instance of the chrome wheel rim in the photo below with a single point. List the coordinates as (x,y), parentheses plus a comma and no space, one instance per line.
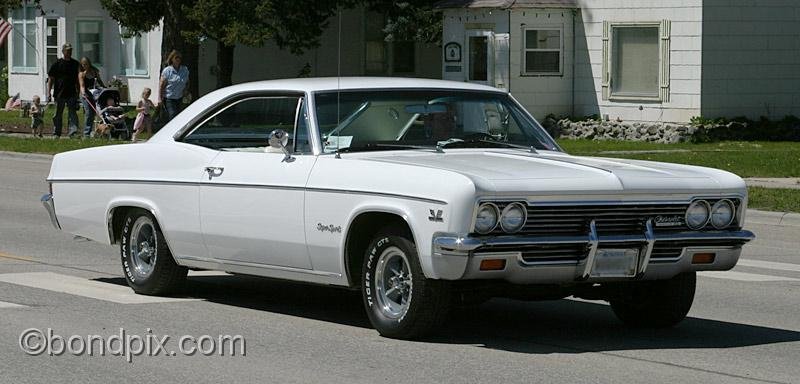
(393,284)
(143,246)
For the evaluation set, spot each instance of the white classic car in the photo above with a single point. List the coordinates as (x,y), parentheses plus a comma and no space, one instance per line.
(423,194)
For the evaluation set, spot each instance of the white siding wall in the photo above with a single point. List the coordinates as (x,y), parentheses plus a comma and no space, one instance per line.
(29,85)
(751,58)
(685,58)
(548,94)
(456,24)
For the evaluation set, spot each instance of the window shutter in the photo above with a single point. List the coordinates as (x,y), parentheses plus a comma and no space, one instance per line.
(666,27)
(606,80)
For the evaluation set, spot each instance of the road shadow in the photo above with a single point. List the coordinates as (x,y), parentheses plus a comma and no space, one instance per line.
(560,326)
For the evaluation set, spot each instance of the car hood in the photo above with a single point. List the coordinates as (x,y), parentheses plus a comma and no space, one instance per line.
(501,171)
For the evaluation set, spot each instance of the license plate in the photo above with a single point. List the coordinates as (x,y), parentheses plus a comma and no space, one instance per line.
(615,262)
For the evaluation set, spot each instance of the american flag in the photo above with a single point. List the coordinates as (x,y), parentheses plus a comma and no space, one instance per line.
(5,29)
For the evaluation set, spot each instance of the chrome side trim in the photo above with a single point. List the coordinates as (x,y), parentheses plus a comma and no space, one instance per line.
(594,243)
(257,265)
(245,185)
(49,205)
(650,237)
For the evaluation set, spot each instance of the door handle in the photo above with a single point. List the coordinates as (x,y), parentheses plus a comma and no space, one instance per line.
(214,172)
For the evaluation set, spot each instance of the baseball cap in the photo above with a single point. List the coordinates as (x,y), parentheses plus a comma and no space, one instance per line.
(66,46)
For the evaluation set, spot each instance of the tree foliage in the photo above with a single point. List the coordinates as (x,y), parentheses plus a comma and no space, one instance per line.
(293,25)
(410,20)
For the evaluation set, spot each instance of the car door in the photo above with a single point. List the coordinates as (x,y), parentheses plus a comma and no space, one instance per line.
(252,195)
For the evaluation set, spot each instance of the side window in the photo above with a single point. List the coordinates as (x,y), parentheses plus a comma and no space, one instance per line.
(245,125)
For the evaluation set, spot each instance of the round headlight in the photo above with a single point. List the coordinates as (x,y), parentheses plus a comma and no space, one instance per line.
(697,214)
(487,217)
(722,214)
(513,217)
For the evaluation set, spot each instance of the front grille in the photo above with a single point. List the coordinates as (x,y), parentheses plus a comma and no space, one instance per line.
(673,249)
(617,219)
(543,253)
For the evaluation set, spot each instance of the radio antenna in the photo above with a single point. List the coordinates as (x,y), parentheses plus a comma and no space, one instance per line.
(338,70)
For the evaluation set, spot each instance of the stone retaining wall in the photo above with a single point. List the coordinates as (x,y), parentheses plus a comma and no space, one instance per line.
(615,130)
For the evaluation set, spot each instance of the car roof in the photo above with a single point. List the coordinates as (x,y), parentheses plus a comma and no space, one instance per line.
(314,84)
(309,85)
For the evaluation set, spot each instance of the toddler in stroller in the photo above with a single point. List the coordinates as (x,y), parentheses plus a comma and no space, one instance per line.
(112,117)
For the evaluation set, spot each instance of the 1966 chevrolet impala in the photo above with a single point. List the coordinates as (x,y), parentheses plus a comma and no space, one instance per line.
(423,194)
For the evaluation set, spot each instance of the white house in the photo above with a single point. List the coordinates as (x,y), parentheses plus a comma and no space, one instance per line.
(36,40)
(634,60)
(36,43)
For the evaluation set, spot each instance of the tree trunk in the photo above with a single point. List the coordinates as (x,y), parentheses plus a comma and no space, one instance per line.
(175,21)
(224,64)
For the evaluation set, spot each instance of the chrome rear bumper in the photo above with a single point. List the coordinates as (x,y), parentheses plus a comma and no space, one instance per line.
(457,257)
(47,201)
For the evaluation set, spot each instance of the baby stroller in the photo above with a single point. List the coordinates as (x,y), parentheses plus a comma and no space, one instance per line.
(112,117)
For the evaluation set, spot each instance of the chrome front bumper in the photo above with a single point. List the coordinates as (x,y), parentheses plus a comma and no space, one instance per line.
(454,256)
(47,201)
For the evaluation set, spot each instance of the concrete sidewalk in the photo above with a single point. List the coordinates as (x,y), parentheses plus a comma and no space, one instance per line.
(783,219)
(774,182)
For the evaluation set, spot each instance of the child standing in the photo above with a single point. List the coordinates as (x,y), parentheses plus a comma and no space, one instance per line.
(37,116)
(143,118)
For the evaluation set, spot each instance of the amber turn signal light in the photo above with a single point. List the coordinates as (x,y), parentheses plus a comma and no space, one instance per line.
(493,264)
(703,258)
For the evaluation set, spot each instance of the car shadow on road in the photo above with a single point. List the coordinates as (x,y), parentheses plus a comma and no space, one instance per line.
(559,326)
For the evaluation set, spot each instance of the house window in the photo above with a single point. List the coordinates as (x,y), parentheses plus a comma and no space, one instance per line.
(542,51)
(134,55)
(24,57)
(635,61)
(90,41)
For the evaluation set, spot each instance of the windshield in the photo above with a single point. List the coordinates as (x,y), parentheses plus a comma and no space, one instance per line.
(404,119)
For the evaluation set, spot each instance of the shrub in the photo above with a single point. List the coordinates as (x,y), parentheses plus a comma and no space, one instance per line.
(744,129)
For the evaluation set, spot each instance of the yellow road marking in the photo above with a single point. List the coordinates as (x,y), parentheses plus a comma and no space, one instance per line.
(14,257)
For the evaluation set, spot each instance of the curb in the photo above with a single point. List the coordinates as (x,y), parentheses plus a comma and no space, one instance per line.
(30,156)
(783,219)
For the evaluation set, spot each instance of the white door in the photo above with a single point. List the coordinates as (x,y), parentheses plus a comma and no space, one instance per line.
(252,197)
(480,57)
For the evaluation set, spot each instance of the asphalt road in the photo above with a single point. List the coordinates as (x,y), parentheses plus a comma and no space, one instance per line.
(744,326)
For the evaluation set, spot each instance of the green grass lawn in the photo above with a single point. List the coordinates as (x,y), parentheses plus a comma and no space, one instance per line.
(746,159)
(13,119)
(10,119)
(774,199)
(50,146)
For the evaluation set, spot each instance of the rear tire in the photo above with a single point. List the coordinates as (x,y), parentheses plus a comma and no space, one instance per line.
(655,304)
(146,259)
(400,301)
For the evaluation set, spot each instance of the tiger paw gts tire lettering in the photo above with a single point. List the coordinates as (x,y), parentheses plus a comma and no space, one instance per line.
(400,302)
(147,262)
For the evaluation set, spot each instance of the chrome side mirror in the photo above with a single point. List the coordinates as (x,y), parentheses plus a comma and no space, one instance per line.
(279,139)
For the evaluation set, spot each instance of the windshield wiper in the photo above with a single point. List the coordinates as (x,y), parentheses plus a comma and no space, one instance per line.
(381,146)
(453,143)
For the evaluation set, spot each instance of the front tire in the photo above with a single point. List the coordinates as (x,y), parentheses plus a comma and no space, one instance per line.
(655,304)
(146,259)
(400,301)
